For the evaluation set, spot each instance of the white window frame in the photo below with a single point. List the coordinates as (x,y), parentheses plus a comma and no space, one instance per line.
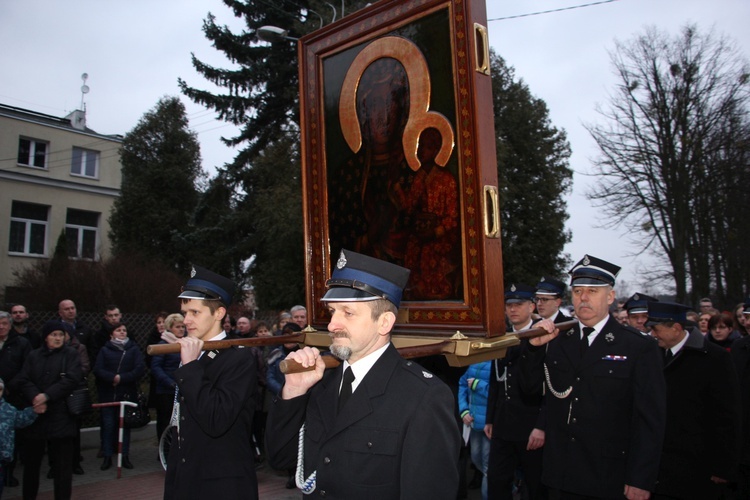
(81,231)
(28,226)
(84,156)
(34,144)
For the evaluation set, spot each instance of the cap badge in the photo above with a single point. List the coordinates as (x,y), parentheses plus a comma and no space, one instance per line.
(192,272)
(341,263)
(586,260)
(609,337)
(542,280)
(513,287)
(636,297)
(426,374)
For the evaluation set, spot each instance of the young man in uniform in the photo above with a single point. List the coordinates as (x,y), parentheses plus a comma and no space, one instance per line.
(211,455)
(378,426)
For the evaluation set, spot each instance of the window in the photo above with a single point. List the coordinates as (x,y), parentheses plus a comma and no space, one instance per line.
(81,232)
(28,228)
(32,153)
(85,163)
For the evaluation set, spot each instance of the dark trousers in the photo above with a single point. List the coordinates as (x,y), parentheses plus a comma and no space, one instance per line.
(163,404)
(505,458)
(60,451)
(110,430)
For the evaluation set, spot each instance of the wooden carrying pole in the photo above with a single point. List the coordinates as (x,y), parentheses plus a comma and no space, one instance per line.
(290,366)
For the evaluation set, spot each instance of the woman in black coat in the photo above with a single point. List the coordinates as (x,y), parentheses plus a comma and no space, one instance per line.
(118,369)
(50,373)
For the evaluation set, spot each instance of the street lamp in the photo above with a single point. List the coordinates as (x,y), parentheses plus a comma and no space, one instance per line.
(273,34)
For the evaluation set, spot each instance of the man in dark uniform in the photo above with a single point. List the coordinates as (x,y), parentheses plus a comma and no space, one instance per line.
(605,396)
(701,444)
(637,308)
(549,295)
(387,432)
(211,456)
(515,423)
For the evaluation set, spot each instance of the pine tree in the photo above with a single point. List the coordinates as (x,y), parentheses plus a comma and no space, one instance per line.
(533,178)
(161,165)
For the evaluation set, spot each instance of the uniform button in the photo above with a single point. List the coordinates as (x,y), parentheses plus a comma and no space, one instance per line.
(578,379)
(576,399)
(182,418)
(326,460)
(369,444)
(573,439)
(182,398)
(510,375)
(574,420)
(610,371)
(322,493)
(183,460)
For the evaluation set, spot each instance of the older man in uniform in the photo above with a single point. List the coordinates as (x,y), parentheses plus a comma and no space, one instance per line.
(637,308)
(548,299)
(701,445)
(378,426)
(514,421)
(211,456)
(605,396)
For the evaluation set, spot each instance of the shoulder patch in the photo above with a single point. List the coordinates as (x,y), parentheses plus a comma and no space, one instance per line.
(418,370)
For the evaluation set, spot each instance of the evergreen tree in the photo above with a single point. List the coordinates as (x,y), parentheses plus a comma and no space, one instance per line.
(161,165)
(533,179)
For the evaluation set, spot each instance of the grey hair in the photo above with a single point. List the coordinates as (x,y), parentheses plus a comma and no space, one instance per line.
(4,315)
(297,308)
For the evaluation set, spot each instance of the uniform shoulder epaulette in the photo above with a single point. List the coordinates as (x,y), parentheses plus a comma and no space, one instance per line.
(418,370)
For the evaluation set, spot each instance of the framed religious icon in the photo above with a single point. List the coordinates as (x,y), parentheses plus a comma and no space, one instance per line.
(398,155)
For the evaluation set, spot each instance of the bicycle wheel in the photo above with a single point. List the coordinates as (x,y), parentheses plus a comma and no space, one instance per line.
(164,443)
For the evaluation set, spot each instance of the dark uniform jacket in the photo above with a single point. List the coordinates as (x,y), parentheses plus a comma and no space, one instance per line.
(41,373)
(397,436)
(608,431)
(212,457)
(702,437)
(513,414)
(12,355)
(741,357)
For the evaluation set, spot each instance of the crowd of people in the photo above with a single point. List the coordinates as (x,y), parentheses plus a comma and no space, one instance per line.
(39,369)
(641,398)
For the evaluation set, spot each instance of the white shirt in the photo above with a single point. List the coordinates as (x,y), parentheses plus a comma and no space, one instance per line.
(597,328)
(220,336)
(676,348)
(361,367)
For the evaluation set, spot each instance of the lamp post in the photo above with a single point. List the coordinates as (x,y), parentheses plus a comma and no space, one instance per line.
(273,34)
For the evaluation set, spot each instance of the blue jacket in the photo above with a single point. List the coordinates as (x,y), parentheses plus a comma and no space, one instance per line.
(474,400)
(128,363)
(11,419)
(163,368)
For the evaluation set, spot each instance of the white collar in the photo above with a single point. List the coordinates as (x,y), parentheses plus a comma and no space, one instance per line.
(220,336)
(528,325)
(677,347)
(597,328)
(362,366)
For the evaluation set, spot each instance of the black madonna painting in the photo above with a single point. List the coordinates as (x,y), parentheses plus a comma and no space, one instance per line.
(392,176)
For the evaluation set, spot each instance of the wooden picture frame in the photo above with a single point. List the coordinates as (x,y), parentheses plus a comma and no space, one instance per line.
(398,160)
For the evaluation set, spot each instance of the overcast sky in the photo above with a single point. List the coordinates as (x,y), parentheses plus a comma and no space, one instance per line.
(134,52)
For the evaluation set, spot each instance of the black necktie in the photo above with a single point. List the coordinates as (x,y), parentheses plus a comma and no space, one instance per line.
(668,356)
(346,387)
(587,330)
